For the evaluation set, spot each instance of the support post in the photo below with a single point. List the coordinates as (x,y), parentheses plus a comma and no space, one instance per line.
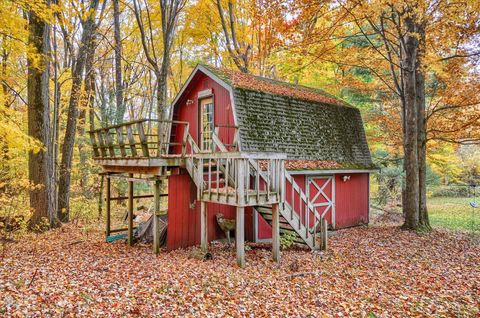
(240,236)
(275,233)
(156,198)
(324,241)
(130,211)
(204,226)
(108,208)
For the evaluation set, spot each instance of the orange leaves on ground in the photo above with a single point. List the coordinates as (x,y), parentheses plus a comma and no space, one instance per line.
(378,270)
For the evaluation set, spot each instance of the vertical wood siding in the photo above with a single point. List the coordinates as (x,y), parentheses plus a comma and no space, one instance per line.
(351,202)
(222,106)
(183,209)
(351,199)
(184,215)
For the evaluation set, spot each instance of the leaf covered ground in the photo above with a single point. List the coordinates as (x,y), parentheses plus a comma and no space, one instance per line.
(378,271)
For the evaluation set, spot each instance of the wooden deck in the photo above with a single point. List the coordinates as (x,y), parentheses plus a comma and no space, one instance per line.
(222,175)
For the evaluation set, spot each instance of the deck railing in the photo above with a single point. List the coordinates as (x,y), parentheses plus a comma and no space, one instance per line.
(144,138)
(230,177)
(227,130)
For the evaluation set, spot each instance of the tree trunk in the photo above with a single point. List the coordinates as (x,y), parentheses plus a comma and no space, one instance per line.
(89,88)
(162,109)
(411,203)
(424,222)
(39,122)
(118,64)
(56,118)
(69,141)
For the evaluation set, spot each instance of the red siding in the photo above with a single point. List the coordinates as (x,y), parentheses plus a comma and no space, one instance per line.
(351,200)
(222,104)
(184,219)
(351,197)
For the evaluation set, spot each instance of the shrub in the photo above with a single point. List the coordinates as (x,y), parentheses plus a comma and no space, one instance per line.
(287,239)
(451,191)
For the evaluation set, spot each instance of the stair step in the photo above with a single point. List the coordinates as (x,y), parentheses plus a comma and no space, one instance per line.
(285,227)
(268,217)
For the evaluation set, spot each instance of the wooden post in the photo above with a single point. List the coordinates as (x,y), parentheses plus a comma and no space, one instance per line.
(108,207)
(204,226)
(275,233)
(324,234)
(130,211)
(156,199)
(240,236)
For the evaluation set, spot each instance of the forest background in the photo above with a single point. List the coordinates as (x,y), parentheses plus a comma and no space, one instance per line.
(67,67)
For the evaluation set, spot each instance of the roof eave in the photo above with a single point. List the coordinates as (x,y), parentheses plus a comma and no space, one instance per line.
(207,72)
(331,171)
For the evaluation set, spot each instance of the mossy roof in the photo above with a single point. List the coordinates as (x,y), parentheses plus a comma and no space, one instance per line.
(306,124)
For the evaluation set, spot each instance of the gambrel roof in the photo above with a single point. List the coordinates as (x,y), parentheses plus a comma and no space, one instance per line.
(309,125)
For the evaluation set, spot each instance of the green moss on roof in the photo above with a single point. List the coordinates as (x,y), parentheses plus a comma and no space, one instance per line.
(302,122)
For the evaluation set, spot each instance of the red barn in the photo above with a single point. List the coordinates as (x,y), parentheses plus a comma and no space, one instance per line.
(260,151)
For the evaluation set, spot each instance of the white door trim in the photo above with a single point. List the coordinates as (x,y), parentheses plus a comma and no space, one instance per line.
(330,201)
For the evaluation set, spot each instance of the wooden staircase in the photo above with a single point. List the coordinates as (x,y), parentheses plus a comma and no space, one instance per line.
(307,223)
(287,228)
(232,178)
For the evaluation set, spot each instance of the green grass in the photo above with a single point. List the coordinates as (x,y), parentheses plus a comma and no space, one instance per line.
(454,214)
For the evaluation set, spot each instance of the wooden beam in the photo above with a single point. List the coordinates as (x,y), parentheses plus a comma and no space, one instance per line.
(275,233)
(132,169)
(96,153)
(130,211)
(140,161)
(108,208)
(120,230)
(121,142)
(143,140)
(204,226)
(156,237)
(144,196)
(240,236)
(324,235)
(131,140)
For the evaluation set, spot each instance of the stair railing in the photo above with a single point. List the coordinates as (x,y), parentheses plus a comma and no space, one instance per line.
(230,174)
(306,208)
(289,211)
(191,164)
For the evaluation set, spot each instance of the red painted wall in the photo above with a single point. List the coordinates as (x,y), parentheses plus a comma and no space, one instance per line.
(351,200)
(223,113)
(184,215)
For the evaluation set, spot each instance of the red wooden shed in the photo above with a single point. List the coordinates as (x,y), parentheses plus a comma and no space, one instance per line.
(323,138)
(277,157)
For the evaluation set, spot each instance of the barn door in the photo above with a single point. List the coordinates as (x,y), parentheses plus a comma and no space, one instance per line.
(321,192)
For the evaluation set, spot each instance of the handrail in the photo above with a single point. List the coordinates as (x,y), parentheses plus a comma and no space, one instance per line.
(231,175)
(305,200)
(216,137)
(136,121)
(133,140)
